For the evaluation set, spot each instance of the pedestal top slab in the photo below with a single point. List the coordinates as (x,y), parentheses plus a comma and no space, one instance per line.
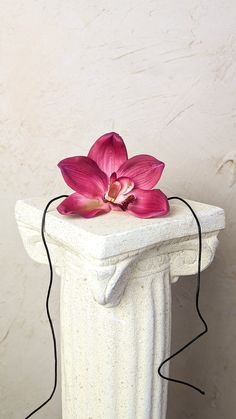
(118,232)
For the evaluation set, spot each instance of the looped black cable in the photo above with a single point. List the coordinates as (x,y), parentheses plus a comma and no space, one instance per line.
(47,304)
(50,320)
(197,305)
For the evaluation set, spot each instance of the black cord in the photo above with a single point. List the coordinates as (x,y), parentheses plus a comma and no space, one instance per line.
(197,304)
(50,320)
(47,303)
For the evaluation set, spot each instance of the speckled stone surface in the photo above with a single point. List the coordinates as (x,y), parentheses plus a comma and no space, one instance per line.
(116,273)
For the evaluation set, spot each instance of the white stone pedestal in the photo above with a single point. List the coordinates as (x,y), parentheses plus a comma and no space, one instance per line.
(116,272)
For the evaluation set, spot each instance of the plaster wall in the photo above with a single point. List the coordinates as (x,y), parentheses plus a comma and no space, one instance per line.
(163,75)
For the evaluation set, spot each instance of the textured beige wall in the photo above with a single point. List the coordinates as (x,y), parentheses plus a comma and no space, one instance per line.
(161,73)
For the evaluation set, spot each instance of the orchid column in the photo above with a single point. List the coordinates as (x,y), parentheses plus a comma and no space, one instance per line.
(116,273)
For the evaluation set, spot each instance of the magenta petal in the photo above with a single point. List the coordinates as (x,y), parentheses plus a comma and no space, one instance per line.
(84,176)
(86,207)
(109,152)
(147,204)
(143,169)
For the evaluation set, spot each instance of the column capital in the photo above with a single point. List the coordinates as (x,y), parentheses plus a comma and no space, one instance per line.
(107,248)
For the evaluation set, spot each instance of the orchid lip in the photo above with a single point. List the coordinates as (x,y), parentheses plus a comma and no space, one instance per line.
(118,189)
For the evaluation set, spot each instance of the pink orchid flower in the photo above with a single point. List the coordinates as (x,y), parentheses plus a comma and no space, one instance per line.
(107,180)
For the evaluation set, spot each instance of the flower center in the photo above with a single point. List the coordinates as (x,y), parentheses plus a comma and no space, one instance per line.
(118,191)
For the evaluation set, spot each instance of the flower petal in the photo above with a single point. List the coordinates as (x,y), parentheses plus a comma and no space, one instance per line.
(143,169)
(109,152)
(147,204)
(84,176)
(86,207)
